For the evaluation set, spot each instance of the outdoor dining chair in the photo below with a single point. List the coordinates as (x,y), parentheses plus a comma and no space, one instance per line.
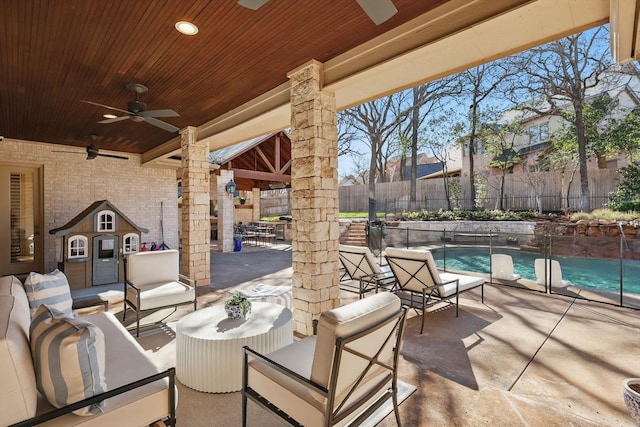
(420,285)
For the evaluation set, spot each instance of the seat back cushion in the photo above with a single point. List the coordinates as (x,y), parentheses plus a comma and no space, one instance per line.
(69,359)
(355,377)
(358,261)
(51,289)
(414,268)
(18,393)
(344,321)
(144,268)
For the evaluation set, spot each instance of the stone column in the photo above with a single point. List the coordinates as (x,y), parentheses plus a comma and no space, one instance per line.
(314,202)
(225,213)
(196,256)
(255,200)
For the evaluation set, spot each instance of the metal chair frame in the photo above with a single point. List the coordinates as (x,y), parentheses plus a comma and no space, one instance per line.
(337,413)
(430,294)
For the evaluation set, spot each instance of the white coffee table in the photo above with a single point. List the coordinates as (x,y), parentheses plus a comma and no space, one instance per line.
(209,353)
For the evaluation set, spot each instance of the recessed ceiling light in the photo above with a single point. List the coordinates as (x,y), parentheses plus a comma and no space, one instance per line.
(109,116)
(186,28)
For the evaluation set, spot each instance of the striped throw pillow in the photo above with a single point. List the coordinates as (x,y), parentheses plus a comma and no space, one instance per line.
(69,359)
(51,289)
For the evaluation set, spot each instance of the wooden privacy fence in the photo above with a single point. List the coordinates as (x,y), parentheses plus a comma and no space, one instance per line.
(275,202)
(518,194)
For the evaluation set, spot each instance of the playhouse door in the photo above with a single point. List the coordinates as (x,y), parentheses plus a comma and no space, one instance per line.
(21,249)
(105,260)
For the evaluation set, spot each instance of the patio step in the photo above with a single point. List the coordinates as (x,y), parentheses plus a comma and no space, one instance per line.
(355,235)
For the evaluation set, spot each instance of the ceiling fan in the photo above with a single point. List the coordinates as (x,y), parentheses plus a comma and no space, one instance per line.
(92,151)
(378,10)
(137,111)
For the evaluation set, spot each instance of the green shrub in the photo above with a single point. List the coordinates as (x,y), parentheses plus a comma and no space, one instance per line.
(606,214)
(481,215)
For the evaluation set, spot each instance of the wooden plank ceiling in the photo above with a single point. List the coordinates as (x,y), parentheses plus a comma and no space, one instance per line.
(55,54)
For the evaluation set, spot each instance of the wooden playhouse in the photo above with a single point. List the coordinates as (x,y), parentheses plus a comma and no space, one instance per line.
(93,244)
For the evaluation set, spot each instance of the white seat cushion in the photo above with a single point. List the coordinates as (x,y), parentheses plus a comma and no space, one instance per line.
(144,268)
(465,283)
(359,261)
(163,294)
(18,393)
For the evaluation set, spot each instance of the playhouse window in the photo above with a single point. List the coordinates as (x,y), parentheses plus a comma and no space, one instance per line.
(131,243)
(77,247)
(105,221)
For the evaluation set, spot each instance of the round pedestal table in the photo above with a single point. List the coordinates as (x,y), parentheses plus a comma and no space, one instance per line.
(209,354)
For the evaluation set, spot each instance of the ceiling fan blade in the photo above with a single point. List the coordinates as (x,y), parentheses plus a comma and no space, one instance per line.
(159,113)
(115,119)
(378,10)
(252,4)
(106,106)
(160,124)
(113,156)
(68,152)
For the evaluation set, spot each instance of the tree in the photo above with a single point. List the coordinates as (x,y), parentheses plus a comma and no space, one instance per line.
(359,173)
(480,83)
(500,143)
(623,135)
(560,73)
(376,122)
(627,196)
(441,133)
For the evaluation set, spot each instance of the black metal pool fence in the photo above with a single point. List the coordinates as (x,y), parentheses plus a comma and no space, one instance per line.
(620,255)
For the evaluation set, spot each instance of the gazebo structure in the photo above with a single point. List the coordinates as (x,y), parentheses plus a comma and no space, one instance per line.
(261,163)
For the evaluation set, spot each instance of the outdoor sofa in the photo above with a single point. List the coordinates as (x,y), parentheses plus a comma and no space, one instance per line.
(131,387)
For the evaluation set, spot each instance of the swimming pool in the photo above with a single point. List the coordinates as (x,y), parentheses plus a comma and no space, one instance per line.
(585,272)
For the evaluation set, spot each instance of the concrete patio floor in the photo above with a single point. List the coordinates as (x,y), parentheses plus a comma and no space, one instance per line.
(520,359)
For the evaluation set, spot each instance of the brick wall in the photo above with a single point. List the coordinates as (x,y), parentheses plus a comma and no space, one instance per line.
(71,183)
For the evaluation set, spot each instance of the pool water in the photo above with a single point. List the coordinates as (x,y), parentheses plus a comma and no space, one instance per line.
(584,272)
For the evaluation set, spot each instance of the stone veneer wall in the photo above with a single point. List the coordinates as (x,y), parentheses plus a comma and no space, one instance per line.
(71,183)
(314,202)
(196,227)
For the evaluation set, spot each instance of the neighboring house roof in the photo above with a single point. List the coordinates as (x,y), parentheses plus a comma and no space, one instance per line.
(424,170)
(89,212)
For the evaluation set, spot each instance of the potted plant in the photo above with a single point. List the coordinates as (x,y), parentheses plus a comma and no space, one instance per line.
(631,391)
(512,240)
(242,199)
(238,306)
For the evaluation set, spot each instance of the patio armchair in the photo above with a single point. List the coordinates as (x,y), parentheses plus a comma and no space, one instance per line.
(360,266)
(419,283)
(153,281)
(338,376)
